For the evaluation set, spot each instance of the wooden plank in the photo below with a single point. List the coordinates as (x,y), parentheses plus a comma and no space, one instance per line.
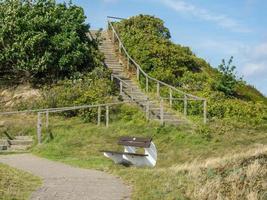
(135,141)
(39,128)
(124,153)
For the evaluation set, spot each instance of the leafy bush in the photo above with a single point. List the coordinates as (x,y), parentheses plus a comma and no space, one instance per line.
(238,109)
(148,42)
(44,41)
(92,88)
(227,80)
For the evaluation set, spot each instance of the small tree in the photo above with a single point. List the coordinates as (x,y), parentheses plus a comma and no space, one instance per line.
(227,81)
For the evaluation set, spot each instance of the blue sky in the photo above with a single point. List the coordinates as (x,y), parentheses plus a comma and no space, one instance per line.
(214,29)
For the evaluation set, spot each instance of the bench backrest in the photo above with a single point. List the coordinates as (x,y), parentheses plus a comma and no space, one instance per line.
(135,142)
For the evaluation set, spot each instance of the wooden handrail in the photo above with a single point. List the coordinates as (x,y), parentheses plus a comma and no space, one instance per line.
(143,72)
(158,82)
(112,17)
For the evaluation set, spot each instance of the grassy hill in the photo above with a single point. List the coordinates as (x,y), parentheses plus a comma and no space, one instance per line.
(195,161)
(226,161)
(149,43)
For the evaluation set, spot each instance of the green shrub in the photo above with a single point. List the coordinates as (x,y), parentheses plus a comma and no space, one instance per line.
(92,88)
(44,41)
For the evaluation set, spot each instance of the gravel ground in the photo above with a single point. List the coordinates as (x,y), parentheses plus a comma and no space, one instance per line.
(61,181)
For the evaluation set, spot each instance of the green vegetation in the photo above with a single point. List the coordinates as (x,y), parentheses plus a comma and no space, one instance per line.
(148,42)
(227,80)
(179,148)
(42,41)
(16,184)
(46,42)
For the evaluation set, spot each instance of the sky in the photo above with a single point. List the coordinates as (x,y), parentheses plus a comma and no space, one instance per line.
(213,29)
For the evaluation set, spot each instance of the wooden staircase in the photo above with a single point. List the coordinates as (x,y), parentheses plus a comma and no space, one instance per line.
(18,144)
(131,90)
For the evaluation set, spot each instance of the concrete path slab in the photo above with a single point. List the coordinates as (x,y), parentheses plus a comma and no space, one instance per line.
(64,182)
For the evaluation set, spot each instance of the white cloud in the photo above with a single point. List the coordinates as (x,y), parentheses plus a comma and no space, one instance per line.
(256,61)
(204,14)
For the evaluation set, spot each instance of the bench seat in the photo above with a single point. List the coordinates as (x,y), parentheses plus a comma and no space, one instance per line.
(130,155)
(125,153)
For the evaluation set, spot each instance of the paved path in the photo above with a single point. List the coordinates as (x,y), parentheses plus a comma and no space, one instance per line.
(63,182)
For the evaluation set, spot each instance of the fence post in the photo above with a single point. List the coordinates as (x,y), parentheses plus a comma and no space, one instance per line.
(146,84)
(39,128)
(161,112)
(47,120)
(147,109)
(111,77)
(107,116)
(185,105)
(170,90)
(128,63)
(205,111)
(119,47)
(137,73)
(120,88)
(99,116)
(158,95)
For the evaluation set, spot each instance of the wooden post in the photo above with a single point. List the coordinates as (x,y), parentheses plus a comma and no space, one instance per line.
(112,78)
(161,112)
(146,84)
(47,120)
(137,73)
(99,116)
(170,90)
(128,63)
(205,111)
(119,47)
(158,94)
(147,109)
(185,105)
(39,128)
(120,88)
(107,116)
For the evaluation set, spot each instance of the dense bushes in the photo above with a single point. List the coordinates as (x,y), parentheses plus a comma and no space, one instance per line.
(92,88)
(148,42)
(42,41)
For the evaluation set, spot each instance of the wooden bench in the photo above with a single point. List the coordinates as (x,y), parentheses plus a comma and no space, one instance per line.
(129,156)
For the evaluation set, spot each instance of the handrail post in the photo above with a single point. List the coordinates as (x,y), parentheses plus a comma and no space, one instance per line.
(39,128)
(170,90)
(107,116)
(99,116)
(137,73)
(161,112)
(146,84)
(120,47)
(120,88)
(113,37)
(185,105)
(205,111)
(128,63)
(158,94)
(47,119)
(147,109)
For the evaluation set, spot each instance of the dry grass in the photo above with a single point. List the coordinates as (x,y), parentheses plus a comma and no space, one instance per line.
(16,184)
(238,176)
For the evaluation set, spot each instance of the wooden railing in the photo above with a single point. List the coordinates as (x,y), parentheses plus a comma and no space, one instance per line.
(46,111)
(139,71)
